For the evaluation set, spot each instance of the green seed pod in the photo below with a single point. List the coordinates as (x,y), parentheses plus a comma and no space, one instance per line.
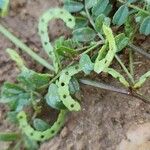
(63,88)
(55,13)
(41,135)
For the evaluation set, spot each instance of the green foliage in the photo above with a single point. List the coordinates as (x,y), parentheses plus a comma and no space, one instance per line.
(121,15)
(86,64)
(52,97)
(74,86)
(84,34)
(100,7)
(40,125)
(145,26)
(121,41)
(73,6)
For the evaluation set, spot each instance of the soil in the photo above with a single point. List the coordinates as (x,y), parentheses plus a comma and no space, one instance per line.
(105,116)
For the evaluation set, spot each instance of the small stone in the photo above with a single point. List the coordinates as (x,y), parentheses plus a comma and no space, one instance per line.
(64,132)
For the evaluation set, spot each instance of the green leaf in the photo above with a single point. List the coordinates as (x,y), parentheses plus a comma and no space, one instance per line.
(9,136)
(81,22)
(74,86)
(40,125)
(99,22)
(145,26)
(84,34)
(100,7)
(66,47)
(90,3)
(52,97)
(108,9)
(86,64)
(33,80)
(73,6)
(129,30)
(121,15)
(13,92)
(121,41)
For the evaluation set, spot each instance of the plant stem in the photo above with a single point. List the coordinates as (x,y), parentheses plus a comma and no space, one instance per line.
(114,89)
(25,48)
(134,7)
(93,47)
(131,63)
(92,23)
(125,69)
(139,50)
(103,86)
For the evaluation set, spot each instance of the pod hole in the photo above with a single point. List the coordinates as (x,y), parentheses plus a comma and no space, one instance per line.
(62,84)
(45,43)
(76,67)
(31,133)
(72,105)
(50,53)
(67,73)
(58,123)
(42,32)
(64,96)
(61,12)
(69,19)
(42,136)
(53,131)
(20,117)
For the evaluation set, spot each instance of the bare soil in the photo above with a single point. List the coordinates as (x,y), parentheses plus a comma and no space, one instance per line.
(105,117)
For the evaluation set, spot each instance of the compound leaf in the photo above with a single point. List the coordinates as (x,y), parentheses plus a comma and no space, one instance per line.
(100,7)
(121,15)
(52,97)
(84,34)
(73,6)
(86,64)
(40,125)
(121,41)
(145,26)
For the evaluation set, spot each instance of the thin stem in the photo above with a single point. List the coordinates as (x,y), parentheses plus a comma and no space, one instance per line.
(139,50)
(131,63)
(93,47)
(125,69)
(92,23)
(103,86)
(25,48)
(134,7)
(115,89)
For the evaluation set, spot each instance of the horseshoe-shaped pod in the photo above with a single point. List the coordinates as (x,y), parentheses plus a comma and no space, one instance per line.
(41,135)
(63,87)
(55,13)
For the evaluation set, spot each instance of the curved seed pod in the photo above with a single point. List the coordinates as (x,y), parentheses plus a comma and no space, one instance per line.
(55,13)
(63,88)
(142,79)
(117,75)
(41,135)
(103,63)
